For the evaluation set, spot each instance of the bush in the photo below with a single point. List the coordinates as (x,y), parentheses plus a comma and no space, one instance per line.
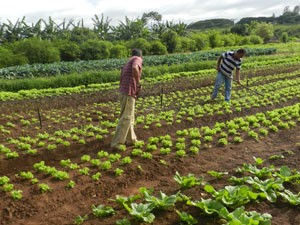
(187,44)
(201,41)
(245,41)
(170,39)
(158,48)
(142,44)
(69,51)
(37,51)
(8,58)
(118,51)
(257,40)
(215,40)
(95,49)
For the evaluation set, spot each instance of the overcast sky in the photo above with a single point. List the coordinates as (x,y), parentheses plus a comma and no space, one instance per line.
(177,10)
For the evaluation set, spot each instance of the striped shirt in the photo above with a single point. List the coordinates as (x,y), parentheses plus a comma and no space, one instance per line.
(128,85)
(229,63)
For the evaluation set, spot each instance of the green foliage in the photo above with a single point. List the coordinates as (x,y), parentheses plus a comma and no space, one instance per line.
(187,181)
(170,39)
(8,58)
(118,51)
(186,218)
(142,44)
(69,51)
(158,48)
(95,49)
(102,211)
(37,51)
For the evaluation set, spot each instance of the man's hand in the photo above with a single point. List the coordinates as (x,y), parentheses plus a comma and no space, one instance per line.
(139,89)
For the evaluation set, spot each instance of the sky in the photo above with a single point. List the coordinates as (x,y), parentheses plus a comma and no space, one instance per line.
(187,11)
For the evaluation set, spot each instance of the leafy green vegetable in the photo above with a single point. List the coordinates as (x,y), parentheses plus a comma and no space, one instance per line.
(187,181)
(102,211)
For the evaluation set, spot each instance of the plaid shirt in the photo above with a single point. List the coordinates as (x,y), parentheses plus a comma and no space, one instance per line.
(128,85)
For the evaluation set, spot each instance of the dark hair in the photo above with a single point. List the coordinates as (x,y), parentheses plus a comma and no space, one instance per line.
(136,52)
(241,51)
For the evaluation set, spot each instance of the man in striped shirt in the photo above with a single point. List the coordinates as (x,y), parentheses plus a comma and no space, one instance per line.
(227,62)
(129,89)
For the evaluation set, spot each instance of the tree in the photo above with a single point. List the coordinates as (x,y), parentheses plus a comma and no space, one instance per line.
(154,16)
(241,29)
(254,39)
(187,44)
(170,39)
(95,49)
(37,51)
(142,44)
(8,58)
(102,27)
(215,40)
(264,30)
(158,48)
(81,35)
(284,37)
(201,41)
(131,29)
(118,51)
(69,51)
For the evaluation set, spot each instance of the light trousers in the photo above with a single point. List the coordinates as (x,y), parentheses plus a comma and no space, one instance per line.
(125,128)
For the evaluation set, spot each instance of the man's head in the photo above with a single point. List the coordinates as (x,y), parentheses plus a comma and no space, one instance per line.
(136,52)
(240,53)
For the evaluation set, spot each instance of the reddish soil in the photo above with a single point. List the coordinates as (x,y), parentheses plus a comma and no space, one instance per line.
(61,206)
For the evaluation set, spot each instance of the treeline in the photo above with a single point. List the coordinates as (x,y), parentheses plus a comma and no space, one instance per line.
(84,44)
(47,42)
(289,16)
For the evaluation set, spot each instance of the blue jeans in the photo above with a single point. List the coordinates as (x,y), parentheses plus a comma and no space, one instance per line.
(219,81)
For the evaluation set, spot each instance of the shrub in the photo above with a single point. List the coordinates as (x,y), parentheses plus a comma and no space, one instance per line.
(142,44)
(37,51)
(94,49)
(158,48)
(69,51)
(8,58)
(257,40)
(118,51)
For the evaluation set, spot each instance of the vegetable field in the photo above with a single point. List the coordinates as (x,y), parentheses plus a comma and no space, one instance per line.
(197,161)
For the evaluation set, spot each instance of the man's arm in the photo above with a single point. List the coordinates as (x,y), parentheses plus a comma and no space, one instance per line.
(135,73)
(219,62)
(238,78)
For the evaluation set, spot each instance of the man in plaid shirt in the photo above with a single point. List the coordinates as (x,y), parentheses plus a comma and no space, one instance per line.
(129,89)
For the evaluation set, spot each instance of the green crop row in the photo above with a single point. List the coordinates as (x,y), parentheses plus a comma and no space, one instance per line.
(46,70)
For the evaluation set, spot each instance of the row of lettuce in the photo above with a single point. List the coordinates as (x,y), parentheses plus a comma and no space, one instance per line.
(65,85)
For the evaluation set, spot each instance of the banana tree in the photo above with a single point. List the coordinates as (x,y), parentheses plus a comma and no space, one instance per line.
(102,26)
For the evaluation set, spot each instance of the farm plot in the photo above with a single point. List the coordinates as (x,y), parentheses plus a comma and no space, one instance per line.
(57,168)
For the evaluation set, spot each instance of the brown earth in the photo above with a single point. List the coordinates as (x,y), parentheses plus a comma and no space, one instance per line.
(62,206)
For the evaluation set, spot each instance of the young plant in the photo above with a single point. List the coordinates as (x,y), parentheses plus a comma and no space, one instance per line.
(102,211)
(118,172)
(16,194)
(187,181)
(186,218)
(96,176)
(216,174)
(71,184)
(80,219)
(44,188)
